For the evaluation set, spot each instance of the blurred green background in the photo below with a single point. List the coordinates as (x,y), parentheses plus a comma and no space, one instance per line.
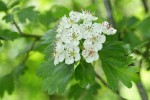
(130,18)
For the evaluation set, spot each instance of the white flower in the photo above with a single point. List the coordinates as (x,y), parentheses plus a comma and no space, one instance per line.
(90,54)
(79,30)
(96,29)
(86,29)
(88,16)
(72,54)
(107,29)
(59,52)
(96,41)
(59,57)
(66,22)
(73,35)
(75,16)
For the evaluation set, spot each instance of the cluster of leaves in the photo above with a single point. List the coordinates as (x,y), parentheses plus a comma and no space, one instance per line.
(12,12)
(115,63)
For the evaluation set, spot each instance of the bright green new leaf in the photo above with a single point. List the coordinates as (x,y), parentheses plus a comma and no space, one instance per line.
(8,35)
(6,84)
(27,14)
(115,65)
(3,6)
(84,73)
(55,78)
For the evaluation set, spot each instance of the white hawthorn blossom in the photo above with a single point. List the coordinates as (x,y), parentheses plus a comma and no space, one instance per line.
(108,29)
(72,54)
(77,35)
(96,41)
(75,16)
(73,35)
(86,15)
(90,54)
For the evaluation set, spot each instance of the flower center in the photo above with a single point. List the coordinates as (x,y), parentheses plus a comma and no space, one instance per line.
(91,53)
(74,36)
(72,53)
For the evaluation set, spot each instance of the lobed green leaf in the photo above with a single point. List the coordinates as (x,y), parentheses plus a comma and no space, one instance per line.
(115,65)
(78,93)
(84,73)
(55,78)
(8,35)
(3,6)
(27,14)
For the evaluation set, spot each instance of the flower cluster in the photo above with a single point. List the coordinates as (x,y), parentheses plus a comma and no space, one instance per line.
(79,35)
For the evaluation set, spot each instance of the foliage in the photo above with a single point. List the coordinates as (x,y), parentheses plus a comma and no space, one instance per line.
(115,63)
(27,36)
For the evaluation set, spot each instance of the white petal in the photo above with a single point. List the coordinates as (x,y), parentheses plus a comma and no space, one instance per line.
(56,61)
(87,42)
(61,57)
(87,24)
(75,16)
(69,61)
(84,53)
(96,56)
(102,38)
(98,46)
(78,57)
(97,28)
(89,59)
(75,43)
(112,31)
(77,49)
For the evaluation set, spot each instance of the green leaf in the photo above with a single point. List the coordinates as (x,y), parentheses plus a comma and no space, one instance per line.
(3,6)
(131,38)
(115,65)
(27,14)
(55,78)
(76,92)
(84,73)
(8,35)
(13,4)
(8,18)
(6,84)
(143,27)
(47,42)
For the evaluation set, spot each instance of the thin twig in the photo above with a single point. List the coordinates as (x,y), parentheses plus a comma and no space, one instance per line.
(27,35)
(17,27)
(108,7)
(27,53)
(100,78)
(145,5)
(21,65)
(31,35)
